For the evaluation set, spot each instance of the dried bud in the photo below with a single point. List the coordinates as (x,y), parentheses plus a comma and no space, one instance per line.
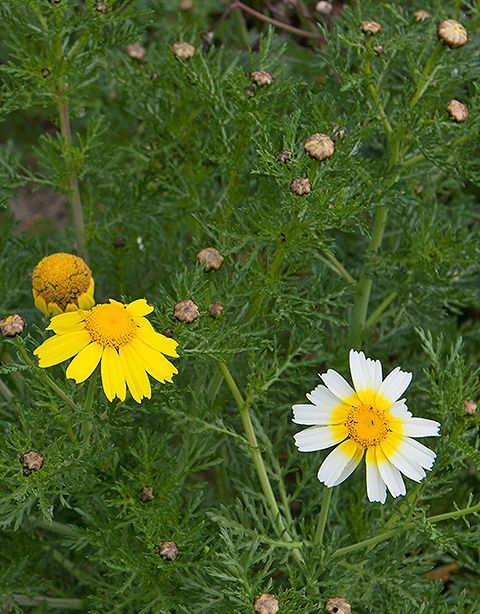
(319,146)
(300,186)
(323,7)
(119,242)
(261,77)
(370,26)
(215,309)
(183,50)
(186,311)
(146,494)
(167,550)
(45,72)
(284,156)
(211,258)
(339,133)
(32,461)
(209,40)
(470,406)
(378,49)
(452,33)
(185,5)
(421,15)
(167,332)
(101,7)
(136,51)
(338,605)
(11,326)
(250,91)
(266,604)
(457,110)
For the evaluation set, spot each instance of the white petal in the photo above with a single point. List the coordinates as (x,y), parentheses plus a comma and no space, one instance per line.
(312,414)
(399,457)
(390,475)
(366,373)
(421,427)
(340,463)
(395,384)
(337,384)
(319,438)
(322,397)
(400,410)
(376,489)
(419,453)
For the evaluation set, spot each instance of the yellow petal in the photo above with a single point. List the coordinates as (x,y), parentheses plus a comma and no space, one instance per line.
(61,347)
(135,374)
(113,380)
(139,308)
(54,309)
(40,303)
(87,300)
(154,362)
(67,322)
(85,363)
(158,342)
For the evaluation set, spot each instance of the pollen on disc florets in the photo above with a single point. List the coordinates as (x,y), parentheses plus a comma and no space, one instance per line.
(367,425)
(60,279)
(110,324)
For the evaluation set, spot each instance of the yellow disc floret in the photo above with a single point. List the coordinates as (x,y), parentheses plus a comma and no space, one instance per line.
(110,324)
(367,425)
(62,282)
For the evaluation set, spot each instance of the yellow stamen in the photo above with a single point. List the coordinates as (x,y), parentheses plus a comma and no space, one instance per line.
(110,324)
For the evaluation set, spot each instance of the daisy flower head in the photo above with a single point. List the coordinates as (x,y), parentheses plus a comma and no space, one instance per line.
(120,338)
(369,419)
(62,282)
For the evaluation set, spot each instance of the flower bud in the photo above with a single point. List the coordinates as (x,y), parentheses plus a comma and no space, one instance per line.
(101,7)
(211,258)
(452,33)
(11,326)
(378,49)
(185,5)
(186,311)
(136,51)
(421,15)
(319,146)
(338,605)
(183,50)
(250,91)
(284,156)
(261,77)
(167,550)
(457,110)
(370,26)
(32,461)
(324,7)
(266,604)
(146,494)
(470,406)
(215,309)
(300,186)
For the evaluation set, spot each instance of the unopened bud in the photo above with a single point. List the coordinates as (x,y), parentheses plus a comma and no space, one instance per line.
(32,461)
(167,550)
(319,146)
(421,15)
(186,311)
(136,51)
(266,604)
(370,26)
(338,605)
(324,7)
(183,50)
(261,78)
(215,309)
(452,33)
(284,156)
(211,258)
(458,111)
(300,186)
(12,325)
(470,406)
(146,494)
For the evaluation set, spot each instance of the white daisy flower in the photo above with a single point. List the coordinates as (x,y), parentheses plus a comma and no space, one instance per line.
(370,419)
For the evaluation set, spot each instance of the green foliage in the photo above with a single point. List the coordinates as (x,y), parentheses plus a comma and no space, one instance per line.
(172,156)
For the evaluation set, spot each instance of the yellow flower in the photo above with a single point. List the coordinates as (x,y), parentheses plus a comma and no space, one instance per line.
(121,338)
(62,282)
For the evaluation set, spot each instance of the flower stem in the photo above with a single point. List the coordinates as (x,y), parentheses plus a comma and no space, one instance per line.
(55,603)
(76,201)
(322,520)
(427,74)
(5,391)
(377,313)
(257,458)
(330,259)
(373,541)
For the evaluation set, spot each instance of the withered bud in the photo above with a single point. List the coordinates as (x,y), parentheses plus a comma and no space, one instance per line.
(32,461)
(421,15)
(266,604)
(452,33)
(261,77)
(319,146)
(45,72)
(470,406)
(378,49)
(211,258)
(146,494)
(167,332)
(324,7)
(119,242)
(12,325)
(136,51)
(339,133)
(250,91)
(284,156)
(458,111)
(215,309)
(370,26)
(167,550)
(300,186)
(101,7)
(183,50)
(185,5)
(338,605)
(186,311)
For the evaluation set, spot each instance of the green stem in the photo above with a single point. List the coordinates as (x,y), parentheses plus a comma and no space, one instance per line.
(240,19)
(377,313)
(55,603)
(322,520)
(257,458)
(373,541)
(428,73)
(337,266)
(5,391)
(59,528)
